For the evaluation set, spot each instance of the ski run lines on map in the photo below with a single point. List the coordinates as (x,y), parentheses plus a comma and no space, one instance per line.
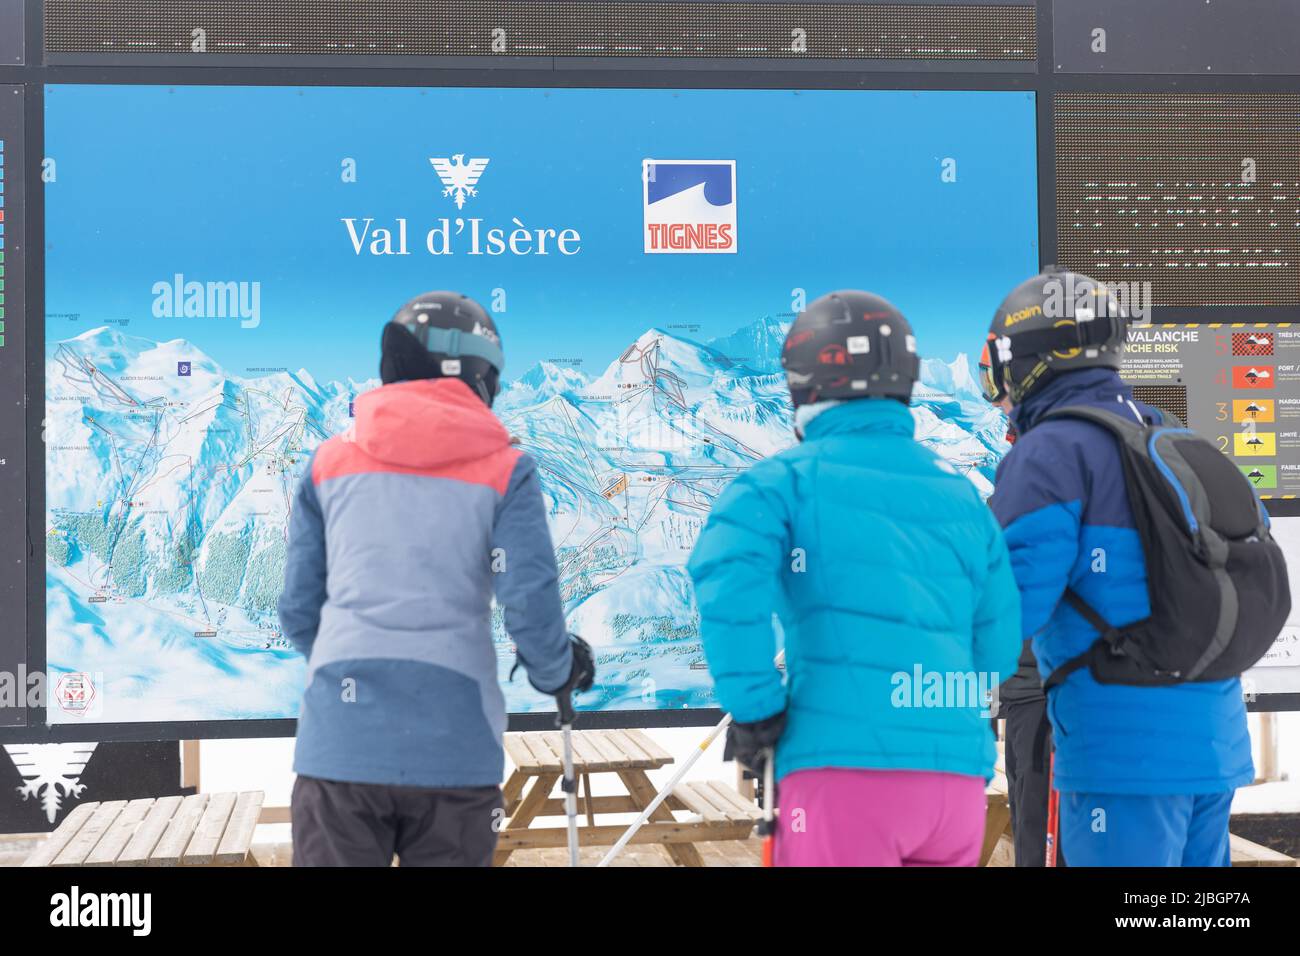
(169,484)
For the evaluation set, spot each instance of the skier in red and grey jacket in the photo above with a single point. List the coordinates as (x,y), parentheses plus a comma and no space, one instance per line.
(402,531)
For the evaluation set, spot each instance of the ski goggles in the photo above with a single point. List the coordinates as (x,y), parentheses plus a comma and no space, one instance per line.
(1066,340)
(990,382)
(456,344)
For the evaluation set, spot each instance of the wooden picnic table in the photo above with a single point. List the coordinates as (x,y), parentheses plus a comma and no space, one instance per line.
(997,813)
(718,811)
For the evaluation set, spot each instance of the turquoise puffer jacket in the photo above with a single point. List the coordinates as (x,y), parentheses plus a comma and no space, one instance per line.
(891,583)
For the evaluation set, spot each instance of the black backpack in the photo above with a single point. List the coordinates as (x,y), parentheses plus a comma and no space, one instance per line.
(1216,578)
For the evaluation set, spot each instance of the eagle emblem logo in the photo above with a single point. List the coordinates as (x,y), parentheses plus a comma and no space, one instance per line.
(459,177)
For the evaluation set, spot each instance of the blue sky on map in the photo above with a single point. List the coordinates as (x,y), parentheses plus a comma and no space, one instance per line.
(835,189)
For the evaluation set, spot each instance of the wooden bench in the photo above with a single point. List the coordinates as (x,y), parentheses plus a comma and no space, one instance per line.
(205,829)
(628,754)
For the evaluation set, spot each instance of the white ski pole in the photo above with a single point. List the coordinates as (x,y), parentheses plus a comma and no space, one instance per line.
(662,795)
(570,786)
(565,715)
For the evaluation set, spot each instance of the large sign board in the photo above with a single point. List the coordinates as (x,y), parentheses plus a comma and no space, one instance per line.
(214,307)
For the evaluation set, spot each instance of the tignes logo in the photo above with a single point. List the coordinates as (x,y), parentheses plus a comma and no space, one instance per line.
(459,177)
(689,205)
(471,236)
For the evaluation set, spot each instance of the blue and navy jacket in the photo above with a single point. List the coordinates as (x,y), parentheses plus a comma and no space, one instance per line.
(401,532)
(1061,498)
(891,583)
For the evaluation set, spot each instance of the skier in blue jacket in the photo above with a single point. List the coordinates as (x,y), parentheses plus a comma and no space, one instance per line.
(1146,774)
(894,592)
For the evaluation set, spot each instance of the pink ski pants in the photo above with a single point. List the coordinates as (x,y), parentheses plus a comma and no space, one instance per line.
(848,817)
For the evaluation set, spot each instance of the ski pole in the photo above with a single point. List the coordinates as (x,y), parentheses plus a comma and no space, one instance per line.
(565,717)
(1053,811)
(767,826)
(662,795)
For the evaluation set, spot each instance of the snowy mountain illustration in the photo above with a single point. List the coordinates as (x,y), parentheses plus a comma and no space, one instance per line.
(50,772)
(757,345)
(170,480)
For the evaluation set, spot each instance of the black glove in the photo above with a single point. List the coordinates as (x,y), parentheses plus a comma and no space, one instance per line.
(581,677)
(748,744)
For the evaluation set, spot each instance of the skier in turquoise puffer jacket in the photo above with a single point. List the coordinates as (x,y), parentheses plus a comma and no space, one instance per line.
(891,583)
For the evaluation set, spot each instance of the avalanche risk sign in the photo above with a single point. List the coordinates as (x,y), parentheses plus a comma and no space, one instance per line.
(1236,383)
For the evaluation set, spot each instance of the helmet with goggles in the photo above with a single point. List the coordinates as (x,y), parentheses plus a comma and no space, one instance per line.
(1055,322)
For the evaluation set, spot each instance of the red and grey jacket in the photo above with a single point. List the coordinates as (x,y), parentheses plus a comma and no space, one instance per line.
(401,533)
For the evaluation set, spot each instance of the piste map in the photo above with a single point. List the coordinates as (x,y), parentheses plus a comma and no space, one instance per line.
(192,365)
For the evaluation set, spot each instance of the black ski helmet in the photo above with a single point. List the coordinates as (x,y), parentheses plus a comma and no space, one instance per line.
(443,335)
(1055,322)
(850,344)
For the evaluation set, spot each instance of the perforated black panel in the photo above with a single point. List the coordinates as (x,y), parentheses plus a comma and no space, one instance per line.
(618,28)
(1167,398)
(1156,187)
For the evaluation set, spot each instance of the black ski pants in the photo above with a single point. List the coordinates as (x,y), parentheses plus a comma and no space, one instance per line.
(363,824)
(1028,755)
